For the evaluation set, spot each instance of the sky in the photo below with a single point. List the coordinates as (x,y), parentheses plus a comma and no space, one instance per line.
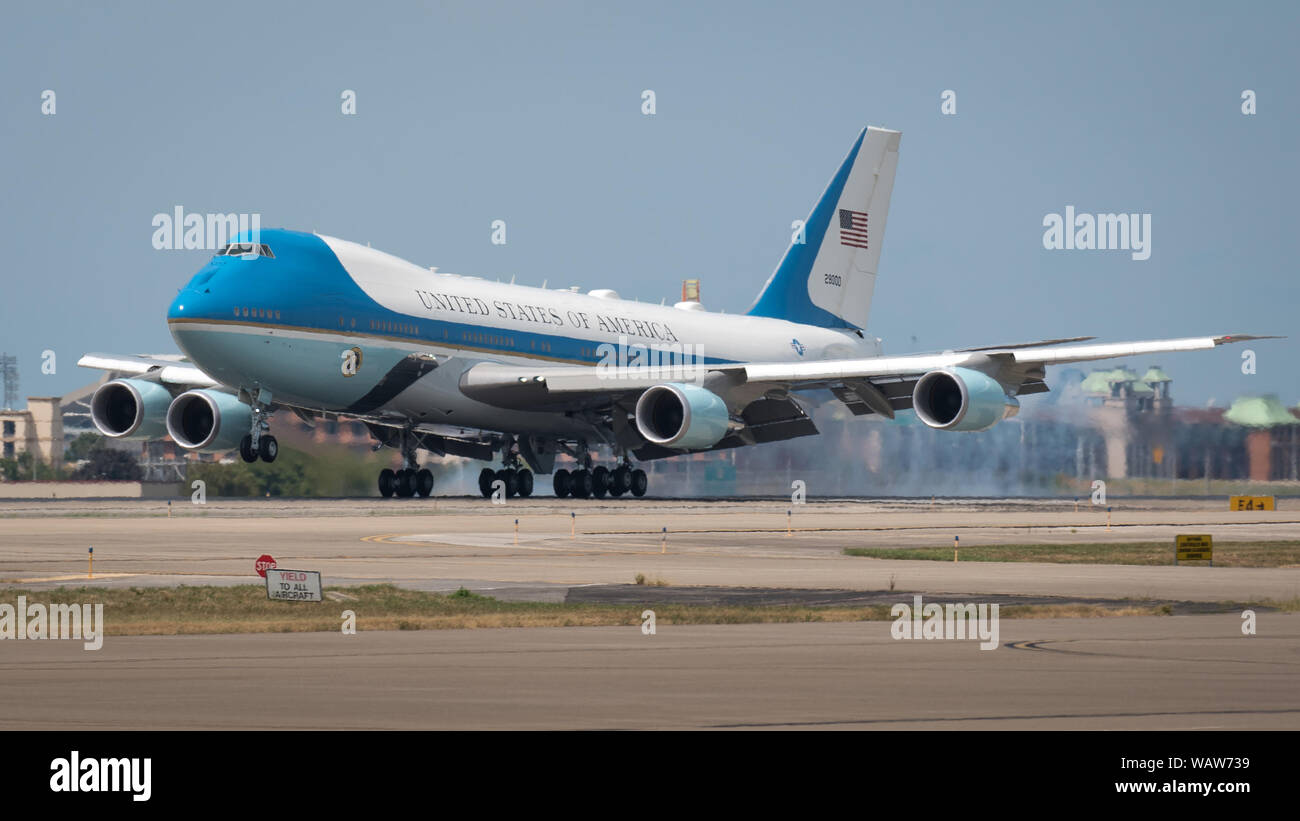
(532,113)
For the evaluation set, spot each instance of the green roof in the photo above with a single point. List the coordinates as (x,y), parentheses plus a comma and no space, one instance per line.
(1155,374)
(1099,382)
(1259,412)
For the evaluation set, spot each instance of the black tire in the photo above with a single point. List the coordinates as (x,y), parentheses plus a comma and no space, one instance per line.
(246,449)
(424,482)
(640,483)
(507,476)
(620,481)
(561,482)
(405,483)
(268,448)
(524,481)
(580,484)
(387,483)
(485,479)
(600,482)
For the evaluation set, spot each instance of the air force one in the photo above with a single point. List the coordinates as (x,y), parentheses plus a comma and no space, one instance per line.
(451,364)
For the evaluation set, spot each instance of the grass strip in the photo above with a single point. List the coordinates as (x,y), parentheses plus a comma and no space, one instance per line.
(1226,554)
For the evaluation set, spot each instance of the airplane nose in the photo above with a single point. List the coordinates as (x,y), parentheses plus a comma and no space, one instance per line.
(177,309)
(190,299)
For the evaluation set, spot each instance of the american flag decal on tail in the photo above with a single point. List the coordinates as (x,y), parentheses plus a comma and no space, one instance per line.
(853,228)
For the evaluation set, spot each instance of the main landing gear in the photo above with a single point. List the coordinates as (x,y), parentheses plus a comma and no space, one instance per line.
(595,483)
(409,480)
(405,483)
(515,481)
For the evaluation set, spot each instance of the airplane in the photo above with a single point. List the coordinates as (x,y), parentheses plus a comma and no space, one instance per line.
(325,328)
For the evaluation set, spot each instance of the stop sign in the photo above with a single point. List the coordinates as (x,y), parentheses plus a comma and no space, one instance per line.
(264,563)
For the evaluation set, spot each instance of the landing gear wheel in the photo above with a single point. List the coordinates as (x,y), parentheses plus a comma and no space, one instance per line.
(561,482)
(620,481)
(405,483)
(600,482)
(387,483)
(485,478)
(524,479)
(507,476)
(424,482)
(580,484)
(268,448)
(246,451)
(639,483)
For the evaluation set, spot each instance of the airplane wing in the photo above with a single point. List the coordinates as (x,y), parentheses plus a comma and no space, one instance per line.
(871,385)
(760,395)
(168,369)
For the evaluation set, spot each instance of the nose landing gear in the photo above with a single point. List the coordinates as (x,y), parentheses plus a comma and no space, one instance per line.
(258,442)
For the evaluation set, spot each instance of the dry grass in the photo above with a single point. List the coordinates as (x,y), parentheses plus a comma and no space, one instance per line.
(1226,554)
(1080,611)
(1284,605)
(245,609)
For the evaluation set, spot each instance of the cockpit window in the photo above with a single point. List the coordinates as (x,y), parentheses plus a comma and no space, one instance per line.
(236,249)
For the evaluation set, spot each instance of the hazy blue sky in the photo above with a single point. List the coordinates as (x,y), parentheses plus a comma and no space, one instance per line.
(531,113)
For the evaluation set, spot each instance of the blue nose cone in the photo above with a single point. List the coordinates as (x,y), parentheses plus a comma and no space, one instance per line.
(193,299)
(177,309)
(188,304)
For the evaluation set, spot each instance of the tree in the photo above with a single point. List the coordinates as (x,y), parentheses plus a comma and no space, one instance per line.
(109,464)
(294,473)
(81,447)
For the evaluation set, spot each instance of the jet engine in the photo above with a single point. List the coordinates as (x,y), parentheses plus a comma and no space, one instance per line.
(209,420)
(130,409)
(678,415)
(962,399)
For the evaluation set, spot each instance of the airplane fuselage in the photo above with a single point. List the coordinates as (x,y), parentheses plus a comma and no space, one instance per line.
(334,326)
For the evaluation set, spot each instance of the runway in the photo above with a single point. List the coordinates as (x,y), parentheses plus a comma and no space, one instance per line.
(1181,671)
(1103,674)
(444,544)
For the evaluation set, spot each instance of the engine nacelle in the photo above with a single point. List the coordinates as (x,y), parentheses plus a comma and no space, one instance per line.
(962,399)
(678,415)
(130,409)
(204,419)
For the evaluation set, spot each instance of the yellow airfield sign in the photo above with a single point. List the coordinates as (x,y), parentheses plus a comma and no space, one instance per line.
(1194,548)
(1251,503)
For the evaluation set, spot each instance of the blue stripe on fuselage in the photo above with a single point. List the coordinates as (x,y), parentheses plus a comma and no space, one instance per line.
(306,288)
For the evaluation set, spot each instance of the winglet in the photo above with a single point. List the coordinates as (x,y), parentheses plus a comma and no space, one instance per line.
(1229,338)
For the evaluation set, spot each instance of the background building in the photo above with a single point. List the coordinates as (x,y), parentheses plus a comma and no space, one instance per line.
(1113,424)
(38,430)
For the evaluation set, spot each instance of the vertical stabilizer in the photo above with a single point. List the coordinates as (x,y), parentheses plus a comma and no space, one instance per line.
(828,279)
